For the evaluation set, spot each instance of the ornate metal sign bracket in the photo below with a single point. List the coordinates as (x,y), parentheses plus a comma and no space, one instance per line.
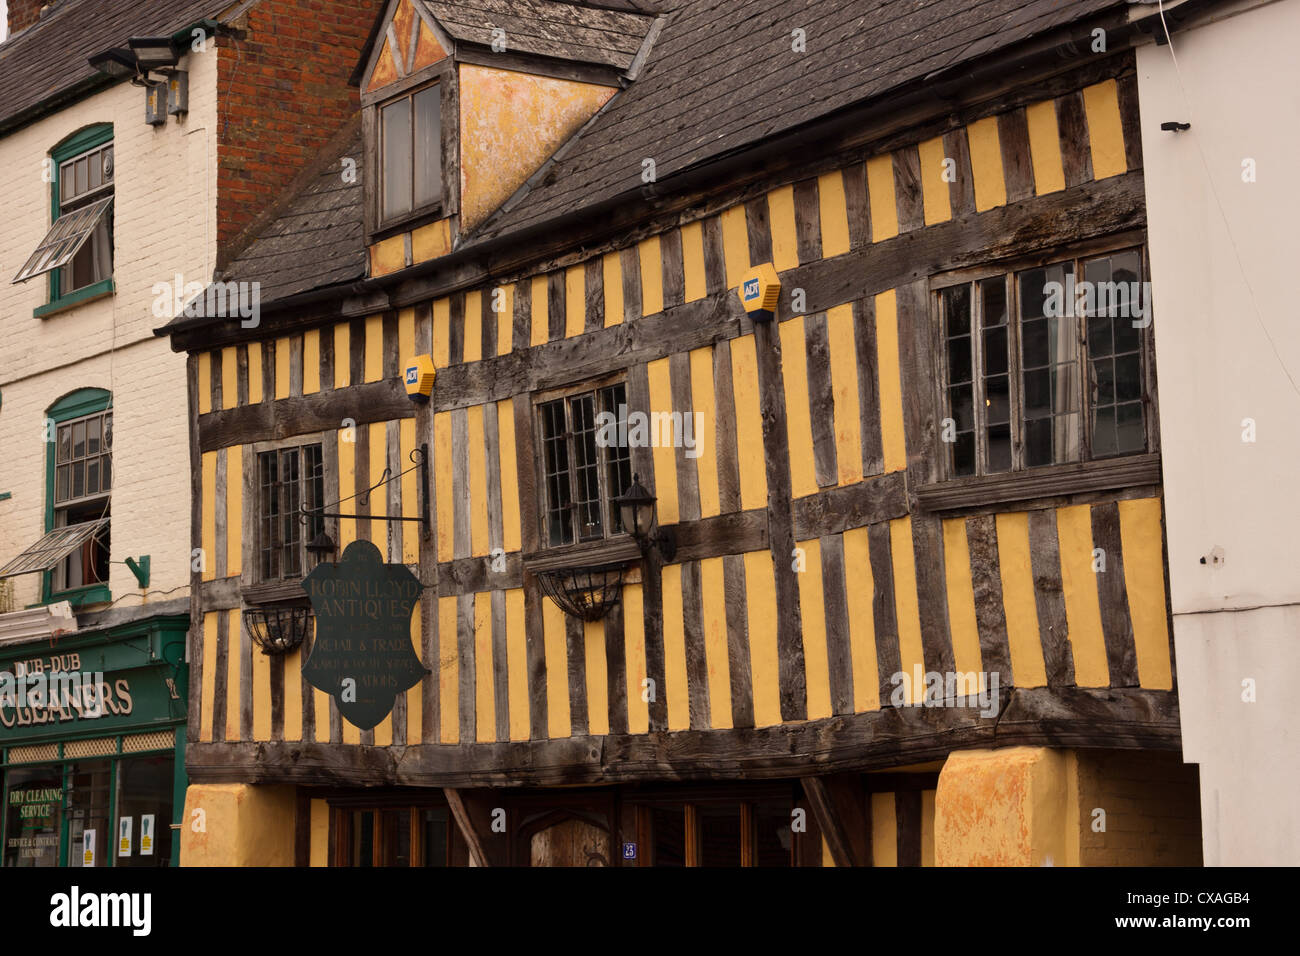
(420,457)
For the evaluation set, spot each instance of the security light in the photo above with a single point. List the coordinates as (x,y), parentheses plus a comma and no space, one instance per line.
(153,53)
(116,62)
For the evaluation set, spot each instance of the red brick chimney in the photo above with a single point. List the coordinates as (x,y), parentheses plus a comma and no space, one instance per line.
(23,13)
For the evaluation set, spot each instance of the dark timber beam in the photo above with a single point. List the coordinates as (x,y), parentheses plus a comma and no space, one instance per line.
(473,815)
(839,802)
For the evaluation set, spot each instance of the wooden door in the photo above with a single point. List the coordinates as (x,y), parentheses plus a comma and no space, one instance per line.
(571,842)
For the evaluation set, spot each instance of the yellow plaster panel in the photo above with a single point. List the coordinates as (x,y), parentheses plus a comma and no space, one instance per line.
(575,300)
(229,378)
(760,601)
(803,480)
(431,241)
(1045,147)
(693,261)
(234,509)
(891,382)
(961,599)
(833,213)
(785,241)
(813,605)
(862,623)
(374,350)
(1018,598)
(388,255)
(884,830)
(702,399)
(282,368)
(1142,539)
(557,670)
(485,727)
(517,664)
(844,385)
(402,28)
(255,372)
(1005,807)
(385,71)
(504,302)
(1082,607)
(473,337)
(448,670)
(735,244)
(986,163)
(243,825)
(713,600)
(1105,132)
(428,50)
(311,362)
(880,191)
(638,708)
(510,123)
(593,639)
(208,514)
(677,692)
(652,276)
(934,188)
(205,382)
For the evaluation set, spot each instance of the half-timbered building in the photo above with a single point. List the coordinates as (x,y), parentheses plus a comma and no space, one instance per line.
(902,598)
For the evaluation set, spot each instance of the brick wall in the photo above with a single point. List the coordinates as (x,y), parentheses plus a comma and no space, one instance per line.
(1152,804)
(284,94)
(23,13)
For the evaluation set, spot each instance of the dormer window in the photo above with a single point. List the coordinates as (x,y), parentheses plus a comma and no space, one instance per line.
(410,130)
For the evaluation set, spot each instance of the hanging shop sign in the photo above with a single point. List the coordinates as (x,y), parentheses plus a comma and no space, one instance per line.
(362,654)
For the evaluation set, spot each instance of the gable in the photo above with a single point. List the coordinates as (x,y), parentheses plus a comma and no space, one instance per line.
(510,124)
(408,44)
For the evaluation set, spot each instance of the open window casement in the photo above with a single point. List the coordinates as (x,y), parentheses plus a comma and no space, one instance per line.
(52,548)
(65,239)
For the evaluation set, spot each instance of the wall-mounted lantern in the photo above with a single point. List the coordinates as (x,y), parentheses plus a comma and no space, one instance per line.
(636,508)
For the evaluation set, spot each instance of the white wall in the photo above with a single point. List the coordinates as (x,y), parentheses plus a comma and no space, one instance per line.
(164,222)
(1225,259)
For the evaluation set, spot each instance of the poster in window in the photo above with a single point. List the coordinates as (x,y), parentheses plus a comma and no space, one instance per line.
(124,837)
(88,848)
(146,834)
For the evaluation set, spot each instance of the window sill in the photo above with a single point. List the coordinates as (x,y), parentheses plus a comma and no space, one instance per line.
(282,592)
(82,597)
(618,550)
(408,223)
(89,293)
(1041,483)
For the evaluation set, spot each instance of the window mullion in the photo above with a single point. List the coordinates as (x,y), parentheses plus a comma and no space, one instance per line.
(978,409)
(602,465)
(1015,381)
(1082,391)
(571,454)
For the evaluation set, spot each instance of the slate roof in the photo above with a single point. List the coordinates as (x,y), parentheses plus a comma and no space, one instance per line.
(564,31)
(50,57)
(317,241)
(722,76)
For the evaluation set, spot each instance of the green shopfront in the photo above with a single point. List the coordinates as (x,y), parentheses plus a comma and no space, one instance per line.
(92,743)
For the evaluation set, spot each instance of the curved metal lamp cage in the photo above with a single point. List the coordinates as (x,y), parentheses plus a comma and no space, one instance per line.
(586,593)
(278,630)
